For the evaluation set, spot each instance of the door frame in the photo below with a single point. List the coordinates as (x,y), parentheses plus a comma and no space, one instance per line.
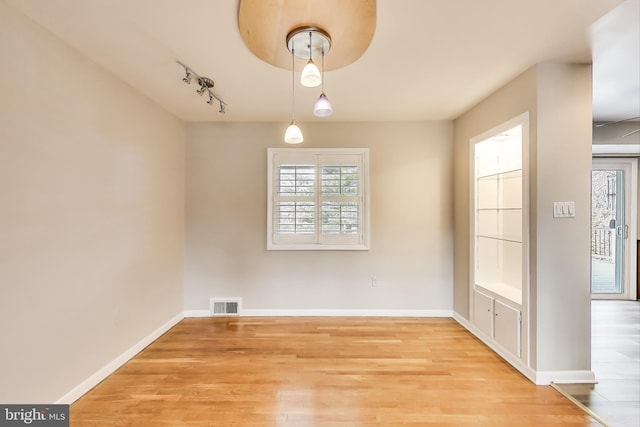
(630,166)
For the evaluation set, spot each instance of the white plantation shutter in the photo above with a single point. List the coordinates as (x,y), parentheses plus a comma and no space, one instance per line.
(340,199)
(317,199)
(295,202)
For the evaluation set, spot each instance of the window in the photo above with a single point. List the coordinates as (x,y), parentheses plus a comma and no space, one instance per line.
(317,199)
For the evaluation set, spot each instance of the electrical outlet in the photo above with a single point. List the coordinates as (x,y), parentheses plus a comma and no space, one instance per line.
(374,282)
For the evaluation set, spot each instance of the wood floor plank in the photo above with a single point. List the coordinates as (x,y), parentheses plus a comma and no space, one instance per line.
(321,371)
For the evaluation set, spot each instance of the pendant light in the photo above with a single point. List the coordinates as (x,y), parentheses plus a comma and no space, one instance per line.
(310,76)
(293,134)
(308,42)
(322,107)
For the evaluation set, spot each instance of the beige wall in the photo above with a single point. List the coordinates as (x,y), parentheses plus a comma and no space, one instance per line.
(515,98)
(411,221)
(91,215)
(563,293)
(558,98)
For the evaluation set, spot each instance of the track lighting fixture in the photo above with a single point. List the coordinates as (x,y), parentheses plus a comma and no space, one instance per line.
(205,86)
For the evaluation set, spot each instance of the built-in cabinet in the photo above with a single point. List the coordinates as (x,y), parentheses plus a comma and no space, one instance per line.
(499,249)
(498,320)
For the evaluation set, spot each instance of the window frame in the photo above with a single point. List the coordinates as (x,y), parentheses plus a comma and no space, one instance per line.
(318,157)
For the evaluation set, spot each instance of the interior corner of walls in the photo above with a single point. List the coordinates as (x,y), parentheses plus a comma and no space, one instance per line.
(86,385)
(513,360)
(461,319)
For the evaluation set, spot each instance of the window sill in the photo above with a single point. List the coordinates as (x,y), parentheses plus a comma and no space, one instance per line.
(315,247)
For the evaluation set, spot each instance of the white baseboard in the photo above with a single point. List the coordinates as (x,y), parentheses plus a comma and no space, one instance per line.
(565,377)
(79,390)
(344,313)
(462,321)
(327,313)
(537,377)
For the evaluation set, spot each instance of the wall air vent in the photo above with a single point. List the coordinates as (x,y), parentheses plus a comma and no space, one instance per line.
(226,306)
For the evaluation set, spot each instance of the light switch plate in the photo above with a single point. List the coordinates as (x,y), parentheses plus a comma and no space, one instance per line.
(564,209)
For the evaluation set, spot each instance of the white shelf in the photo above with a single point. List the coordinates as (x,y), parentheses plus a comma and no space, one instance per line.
(502,290)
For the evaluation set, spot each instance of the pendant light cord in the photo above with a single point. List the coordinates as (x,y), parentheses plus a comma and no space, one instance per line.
(293,86)
(322,79)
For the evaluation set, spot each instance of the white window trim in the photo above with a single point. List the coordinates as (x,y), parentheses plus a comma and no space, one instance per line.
(274,156)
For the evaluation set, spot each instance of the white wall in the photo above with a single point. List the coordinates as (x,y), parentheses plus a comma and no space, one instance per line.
(411,221)
(91,215)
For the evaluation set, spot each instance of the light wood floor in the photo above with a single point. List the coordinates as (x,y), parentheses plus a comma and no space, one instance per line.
(321,371)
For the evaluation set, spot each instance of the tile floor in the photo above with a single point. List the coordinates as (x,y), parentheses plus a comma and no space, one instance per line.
(615,360)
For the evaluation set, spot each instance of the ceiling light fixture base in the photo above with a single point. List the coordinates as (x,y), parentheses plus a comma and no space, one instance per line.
(299,44)
(205,82)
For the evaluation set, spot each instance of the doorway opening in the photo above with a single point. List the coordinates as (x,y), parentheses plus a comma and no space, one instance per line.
(613,228)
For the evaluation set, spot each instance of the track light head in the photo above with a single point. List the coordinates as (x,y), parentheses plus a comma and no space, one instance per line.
(188,76)
(201,90)
(210,101)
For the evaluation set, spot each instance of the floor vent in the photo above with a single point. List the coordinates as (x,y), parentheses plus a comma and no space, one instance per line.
(226,306)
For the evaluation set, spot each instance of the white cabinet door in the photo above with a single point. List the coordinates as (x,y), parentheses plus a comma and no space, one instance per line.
(483,312)
(506,327)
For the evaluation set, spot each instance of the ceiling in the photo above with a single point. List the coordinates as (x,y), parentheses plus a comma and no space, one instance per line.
(428,60)
(615,40)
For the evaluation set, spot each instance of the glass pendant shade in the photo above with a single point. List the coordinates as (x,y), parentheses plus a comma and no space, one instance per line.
(310,76)
(293,135)
(322,107)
